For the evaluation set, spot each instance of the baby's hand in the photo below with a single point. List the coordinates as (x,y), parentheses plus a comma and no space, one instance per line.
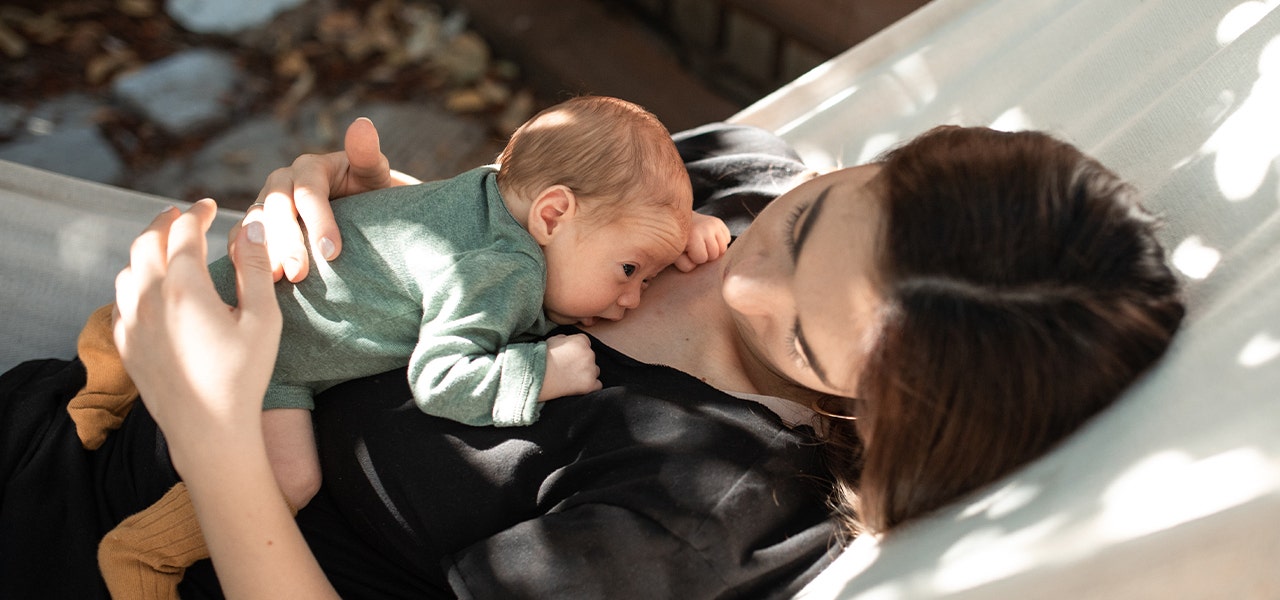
(708,238)
(571,367)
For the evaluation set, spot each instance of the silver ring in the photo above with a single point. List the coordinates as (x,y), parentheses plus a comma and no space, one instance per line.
(251,206)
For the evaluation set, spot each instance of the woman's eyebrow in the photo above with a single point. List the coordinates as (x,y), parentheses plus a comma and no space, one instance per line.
(805,227)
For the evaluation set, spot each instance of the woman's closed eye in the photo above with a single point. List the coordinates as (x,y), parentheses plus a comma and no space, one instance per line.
(795,349)
(797,232)
(790,227)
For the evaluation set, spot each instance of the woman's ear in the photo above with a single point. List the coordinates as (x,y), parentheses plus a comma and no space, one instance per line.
(553,207)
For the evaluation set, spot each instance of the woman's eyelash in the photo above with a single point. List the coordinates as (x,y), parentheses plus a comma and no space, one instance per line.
(793,218)
(793,348)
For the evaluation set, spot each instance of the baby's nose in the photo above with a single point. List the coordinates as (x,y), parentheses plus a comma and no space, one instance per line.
(630,298)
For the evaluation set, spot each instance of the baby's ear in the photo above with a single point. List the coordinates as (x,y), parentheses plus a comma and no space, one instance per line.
(554,206)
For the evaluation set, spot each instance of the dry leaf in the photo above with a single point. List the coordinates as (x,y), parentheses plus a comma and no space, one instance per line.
(137,8)
(100,68)
(337,27)
(45,29)
(12,44)
(292,64)
(493,92)
(516,113)
(467,58)
(465,101)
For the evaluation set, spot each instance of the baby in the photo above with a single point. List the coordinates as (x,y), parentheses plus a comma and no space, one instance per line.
(459,279)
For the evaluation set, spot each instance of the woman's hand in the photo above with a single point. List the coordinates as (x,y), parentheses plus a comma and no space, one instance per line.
(304,190)
(202,368)
(198,363)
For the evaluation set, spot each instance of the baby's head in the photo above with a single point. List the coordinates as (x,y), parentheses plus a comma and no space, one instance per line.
(611,202)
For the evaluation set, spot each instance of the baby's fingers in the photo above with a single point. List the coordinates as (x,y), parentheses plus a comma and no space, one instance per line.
(684,263)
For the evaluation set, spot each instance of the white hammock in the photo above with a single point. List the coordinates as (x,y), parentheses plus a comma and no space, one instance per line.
(1175,492)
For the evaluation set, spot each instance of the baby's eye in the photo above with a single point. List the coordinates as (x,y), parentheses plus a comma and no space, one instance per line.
(629,270)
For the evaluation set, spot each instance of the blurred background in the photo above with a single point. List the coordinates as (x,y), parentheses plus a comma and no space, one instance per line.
(194,98)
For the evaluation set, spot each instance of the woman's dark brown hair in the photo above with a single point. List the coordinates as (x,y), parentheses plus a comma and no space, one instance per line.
(1024,291)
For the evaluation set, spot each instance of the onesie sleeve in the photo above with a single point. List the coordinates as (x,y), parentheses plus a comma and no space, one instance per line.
(478,360)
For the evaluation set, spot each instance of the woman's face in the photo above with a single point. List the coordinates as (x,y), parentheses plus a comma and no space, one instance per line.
(800,283)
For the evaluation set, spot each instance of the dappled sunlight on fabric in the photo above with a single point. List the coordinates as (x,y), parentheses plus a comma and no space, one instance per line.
(876,145)
(817,157)
(1242,18)
(375,482)
(917,78)
(1259,350)
(1248,141)
(989,554)
(1172,487)
(857,556)
(1003,501)
(817,109)
(82,245)
(1194,259)
(1014,119)
(886,591)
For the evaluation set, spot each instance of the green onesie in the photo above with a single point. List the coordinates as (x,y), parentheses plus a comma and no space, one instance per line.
(438,276)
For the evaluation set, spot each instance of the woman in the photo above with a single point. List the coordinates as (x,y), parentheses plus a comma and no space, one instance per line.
(970,299)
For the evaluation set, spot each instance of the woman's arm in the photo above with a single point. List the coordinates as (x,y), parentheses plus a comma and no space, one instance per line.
(304,189)
(202,368)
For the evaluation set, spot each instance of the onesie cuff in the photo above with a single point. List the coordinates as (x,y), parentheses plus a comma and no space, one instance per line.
(524,367)
(288,396)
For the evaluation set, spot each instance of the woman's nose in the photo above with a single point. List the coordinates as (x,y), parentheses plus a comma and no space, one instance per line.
(754,294)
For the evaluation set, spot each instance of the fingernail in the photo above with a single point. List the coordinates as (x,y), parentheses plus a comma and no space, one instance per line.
(327,249)
(291,265)
(255,232)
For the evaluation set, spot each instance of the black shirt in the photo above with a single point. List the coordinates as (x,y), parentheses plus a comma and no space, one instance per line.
(655,486)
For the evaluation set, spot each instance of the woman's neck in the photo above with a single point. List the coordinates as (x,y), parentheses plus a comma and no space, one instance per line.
(682,322)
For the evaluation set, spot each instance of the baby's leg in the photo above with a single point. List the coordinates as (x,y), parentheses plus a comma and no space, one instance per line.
(108,393)
(147,554)
(291,450)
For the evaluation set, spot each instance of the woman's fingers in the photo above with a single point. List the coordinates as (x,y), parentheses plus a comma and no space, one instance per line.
(276,199)
(313,187)
(304,190)
(288,250)
(187,240)
(148,251)
(255,288)
(194,359)
(170,249)
(147,257)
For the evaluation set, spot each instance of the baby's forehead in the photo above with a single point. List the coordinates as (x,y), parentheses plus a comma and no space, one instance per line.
(654,229)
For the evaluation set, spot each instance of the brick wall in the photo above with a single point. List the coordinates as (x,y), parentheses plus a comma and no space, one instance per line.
(747,48)
(689,61)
